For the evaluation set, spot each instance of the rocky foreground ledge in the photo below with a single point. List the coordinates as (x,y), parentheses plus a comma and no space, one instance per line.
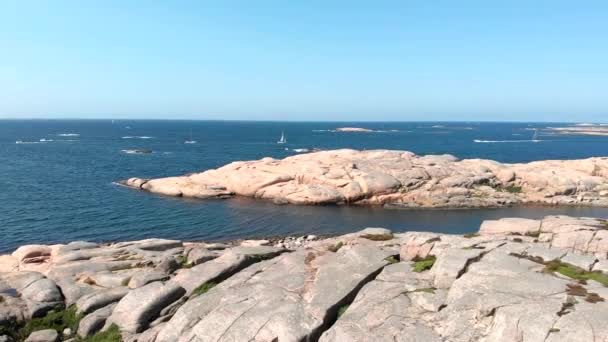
(395,178)
(514,280)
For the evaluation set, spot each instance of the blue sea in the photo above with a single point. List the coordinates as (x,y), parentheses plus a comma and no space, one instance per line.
(61,188)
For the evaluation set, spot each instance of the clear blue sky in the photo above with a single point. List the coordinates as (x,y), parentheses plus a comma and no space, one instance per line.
(305,60)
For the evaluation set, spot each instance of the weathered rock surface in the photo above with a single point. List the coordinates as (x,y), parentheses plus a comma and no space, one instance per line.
(48,335)
(395,178)
(94,321)
(501,284)
(229,262)
(135,311)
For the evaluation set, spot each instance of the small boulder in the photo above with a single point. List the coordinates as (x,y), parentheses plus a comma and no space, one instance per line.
(374,231)
(510,225)
(135,311)
(199,255)
(31,251)
(167,265)
(143,278)
(99,299)
(255,243)
(48,335)
(94,321)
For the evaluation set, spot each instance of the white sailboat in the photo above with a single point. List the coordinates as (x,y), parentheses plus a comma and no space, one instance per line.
(191,141)
(535,136)
(282,140)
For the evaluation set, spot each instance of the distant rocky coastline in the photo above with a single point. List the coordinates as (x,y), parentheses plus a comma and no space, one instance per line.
(361,130)
(396,179)
(582,129)
(353,129)
(513,280)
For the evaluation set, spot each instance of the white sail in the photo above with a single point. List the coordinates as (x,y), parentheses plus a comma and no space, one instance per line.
(282,140)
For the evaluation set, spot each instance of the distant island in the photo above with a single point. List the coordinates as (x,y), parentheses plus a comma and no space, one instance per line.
(362,130)
(353,129)
(582,129)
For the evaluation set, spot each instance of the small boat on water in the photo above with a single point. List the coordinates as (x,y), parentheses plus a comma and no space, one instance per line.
(191,141)
(137,151)
(282,140)
(535,136)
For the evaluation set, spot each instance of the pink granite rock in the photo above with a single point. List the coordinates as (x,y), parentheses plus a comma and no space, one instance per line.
(396,178)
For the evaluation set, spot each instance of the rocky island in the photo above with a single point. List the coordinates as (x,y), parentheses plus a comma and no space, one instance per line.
(582,129)
(513,280)
(395,178)
(353,129)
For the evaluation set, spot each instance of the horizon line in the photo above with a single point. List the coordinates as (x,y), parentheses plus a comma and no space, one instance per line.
(295,121)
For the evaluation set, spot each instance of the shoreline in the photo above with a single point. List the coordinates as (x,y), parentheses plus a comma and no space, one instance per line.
(158,290)
(388,206)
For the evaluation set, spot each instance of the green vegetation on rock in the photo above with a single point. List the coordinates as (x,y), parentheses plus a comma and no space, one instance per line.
(534,234)
(342,310)
(510,189)
(378,237)
(470,235)
(57,319)
(182,260)
(203,289)
(575,272)
(110,335)
(425,264)
(335,247)
(391,259)
(435,239)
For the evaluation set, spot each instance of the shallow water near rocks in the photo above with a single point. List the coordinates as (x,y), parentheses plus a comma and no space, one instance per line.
(62,190)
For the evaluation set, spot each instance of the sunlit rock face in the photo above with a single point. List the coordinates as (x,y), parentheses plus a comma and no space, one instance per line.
(395,178)
(514,280)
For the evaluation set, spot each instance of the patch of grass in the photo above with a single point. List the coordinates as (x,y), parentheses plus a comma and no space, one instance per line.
(260,257)
(512,189)
(203,289)
(58,320)
(378,237)
(553,330)
(574,272)
(182,261)
(110,335)
(342,310)
(435,239)
(391,259)
(470,235)
(425,264)
(604,223)
(9,330)
(335,247)
(533,234)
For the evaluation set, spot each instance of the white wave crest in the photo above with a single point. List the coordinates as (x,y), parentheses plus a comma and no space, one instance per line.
(505,141)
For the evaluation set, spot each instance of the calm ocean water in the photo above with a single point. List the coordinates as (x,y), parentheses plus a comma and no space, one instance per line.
(61,190)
